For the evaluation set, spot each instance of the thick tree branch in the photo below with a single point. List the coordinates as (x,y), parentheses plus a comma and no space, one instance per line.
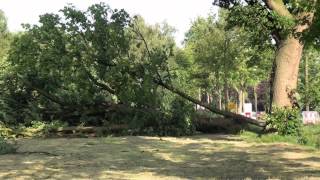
(279,7)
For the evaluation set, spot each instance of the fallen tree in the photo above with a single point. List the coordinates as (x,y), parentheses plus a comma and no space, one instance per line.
(226,114)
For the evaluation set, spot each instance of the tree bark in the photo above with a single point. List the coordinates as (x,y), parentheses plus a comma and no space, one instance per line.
(287,69)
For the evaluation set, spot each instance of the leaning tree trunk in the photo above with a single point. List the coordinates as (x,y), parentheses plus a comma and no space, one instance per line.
(287,69)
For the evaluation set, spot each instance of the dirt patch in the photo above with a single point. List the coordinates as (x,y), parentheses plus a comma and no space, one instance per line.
(196,157)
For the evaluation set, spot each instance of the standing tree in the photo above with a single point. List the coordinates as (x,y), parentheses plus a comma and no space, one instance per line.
(288,22)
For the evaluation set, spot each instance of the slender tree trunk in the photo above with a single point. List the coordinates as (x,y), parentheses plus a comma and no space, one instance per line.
(306,76)
(243,101)
(255,99)
(220,100)
(240,101)
(226,96)
(286,74)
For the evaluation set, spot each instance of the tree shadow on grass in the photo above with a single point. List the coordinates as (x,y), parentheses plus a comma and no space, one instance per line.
(204,157)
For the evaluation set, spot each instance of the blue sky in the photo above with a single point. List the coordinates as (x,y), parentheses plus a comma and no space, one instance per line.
(178,13)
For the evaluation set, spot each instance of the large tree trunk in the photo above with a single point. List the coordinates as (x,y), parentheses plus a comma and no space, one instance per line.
(287,68)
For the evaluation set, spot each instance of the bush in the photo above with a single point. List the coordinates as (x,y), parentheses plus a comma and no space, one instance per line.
(287,121)
(180,122)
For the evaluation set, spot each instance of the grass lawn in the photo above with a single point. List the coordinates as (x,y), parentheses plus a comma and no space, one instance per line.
(136,157)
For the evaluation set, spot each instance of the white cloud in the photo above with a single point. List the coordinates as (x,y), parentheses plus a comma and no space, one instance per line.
(178,13)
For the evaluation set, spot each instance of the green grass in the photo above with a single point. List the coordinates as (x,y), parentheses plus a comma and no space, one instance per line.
(310,136)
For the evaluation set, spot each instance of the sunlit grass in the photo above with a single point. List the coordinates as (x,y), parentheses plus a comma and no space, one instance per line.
(310,136)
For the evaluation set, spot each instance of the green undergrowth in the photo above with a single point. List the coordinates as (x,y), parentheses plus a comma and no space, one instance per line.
(309,136)
(36,129)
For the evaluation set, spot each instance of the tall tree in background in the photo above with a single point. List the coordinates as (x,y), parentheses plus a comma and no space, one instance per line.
(225,60)
(288,22)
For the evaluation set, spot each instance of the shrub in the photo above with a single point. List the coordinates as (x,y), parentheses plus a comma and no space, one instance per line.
(180,122)
(287,121)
